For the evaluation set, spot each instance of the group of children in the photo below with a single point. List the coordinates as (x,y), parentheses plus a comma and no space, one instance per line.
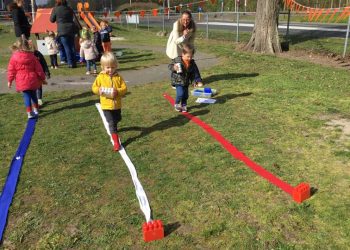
(92,49)
(29,75)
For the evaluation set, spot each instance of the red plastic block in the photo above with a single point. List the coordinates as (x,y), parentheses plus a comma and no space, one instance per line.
(301,192)
(153,230)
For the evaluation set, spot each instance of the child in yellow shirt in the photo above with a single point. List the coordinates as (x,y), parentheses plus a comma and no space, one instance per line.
(111,87)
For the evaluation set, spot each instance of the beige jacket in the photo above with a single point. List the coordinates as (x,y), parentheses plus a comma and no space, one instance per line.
(51,44)
(176,40)
(88,50)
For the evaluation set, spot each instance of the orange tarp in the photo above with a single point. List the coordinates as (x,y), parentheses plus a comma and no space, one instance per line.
(42,22)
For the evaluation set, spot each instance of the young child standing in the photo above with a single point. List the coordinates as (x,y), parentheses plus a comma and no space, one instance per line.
(183,71)
(105,36)
(89,52)
(109,79)
(97,41)
(42,61)
(26,70)
(52,49)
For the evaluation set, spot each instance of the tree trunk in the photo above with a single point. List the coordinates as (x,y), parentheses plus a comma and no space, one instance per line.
(265,38)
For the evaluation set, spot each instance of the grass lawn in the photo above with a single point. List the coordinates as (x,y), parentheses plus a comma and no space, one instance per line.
(74,192)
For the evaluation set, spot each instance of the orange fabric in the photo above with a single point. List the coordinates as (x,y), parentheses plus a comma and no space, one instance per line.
(107,46)
(187,64)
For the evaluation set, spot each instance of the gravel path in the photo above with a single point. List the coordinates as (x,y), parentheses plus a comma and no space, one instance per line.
(132,77)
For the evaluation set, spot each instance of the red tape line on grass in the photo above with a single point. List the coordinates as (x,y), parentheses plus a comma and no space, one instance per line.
(299,193)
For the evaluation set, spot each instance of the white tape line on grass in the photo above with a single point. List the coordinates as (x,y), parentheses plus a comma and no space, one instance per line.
(140,193)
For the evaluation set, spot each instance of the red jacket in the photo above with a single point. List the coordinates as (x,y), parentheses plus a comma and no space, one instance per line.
(26,70)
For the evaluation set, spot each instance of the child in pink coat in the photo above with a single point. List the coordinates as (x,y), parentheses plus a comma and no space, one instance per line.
(26,70)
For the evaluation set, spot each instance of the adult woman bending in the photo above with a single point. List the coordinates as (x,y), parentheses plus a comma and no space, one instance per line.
(20,21)
(184,31)
(66,29)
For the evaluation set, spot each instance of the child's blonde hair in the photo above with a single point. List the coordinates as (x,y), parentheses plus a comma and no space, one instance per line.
(51,34)
(21,44)
(108,59)
(104,22)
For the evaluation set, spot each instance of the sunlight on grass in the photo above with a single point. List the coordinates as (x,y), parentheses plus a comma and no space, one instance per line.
(74,192)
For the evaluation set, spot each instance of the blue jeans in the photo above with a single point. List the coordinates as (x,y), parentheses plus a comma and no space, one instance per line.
(29,96)
(68,45)
(181,95)
(89,64)
(39,93)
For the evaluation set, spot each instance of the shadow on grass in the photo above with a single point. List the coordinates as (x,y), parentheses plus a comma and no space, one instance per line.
(228,76)
(81,95)
(313,191)
(176,121)
(170,228)
(73,106)
(304,36)
(222,99)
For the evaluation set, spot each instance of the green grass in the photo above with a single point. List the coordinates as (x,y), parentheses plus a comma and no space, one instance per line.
(74,192)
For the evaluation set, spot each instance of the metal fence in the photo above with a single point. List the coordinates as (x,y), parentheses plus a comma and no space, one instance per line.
(235,26)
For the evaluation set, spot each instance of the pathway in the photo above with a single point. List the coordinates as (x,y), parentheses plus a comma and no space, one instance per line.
(132,77)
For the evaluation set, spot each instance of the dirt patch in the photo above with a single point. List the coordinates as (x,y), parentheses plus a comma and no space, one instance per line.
(327,59)
(343,125)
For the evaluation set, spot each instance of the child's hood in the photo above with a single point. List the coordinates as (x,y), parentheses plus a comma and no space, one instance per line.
(23,57)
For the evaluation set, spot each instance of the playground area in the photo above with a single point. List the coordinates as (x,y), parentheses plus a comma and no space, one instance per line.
(287,113)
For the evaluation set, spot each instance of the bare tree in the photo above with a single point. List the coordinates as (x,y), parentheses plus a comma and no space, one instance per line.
(265,38)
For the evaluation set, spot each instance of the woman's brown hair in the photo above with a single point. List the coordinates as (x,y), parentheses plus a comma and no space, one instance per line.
(191,26)
(61,2)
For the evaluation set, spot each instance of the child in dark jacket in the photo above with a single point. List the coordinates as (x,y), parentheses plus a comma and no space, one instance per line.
(97,41)
(26,70)
(42,61)
(105,36)
(184,71)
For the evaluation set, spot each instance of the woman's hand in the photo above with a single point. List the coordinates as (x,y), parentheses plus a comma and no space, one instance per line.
(9,84)
(185,32)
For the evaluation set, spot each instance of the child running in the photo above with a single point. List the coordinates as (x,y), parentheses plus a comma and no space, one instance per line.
(183,71)
(26,70)
(110,86)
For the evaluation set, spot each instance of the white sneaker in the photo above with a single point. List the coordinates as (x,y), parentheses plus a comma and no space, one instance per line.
(40,102)
(35,111)
(177,107)
(184,109)
(30,115)
(88,72)
(95,71)
(63,62)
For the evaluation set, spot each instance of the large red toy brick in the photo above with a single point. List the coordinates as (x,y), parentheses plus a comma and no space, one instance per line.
(153,230)
(301,192)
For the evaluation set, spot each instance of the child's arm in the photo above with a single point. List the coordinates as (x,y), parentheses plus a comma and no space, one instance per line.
(11,72)
(81,53)
(171,66)
(121,91)
(43,63)
(96,86)
(197,75)
(39,70)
